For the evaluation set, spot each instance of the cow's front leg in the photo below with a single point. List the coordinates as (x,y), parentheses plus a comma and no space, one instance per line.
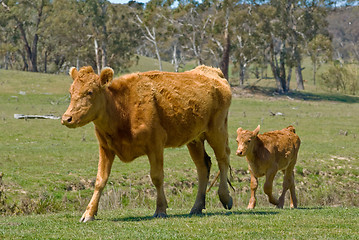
(157,176)
(254,186)
(104,168)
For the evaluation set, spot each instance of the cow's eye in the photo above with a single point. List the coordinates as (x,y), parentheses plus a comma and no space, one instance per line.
(89,93)
(249,141)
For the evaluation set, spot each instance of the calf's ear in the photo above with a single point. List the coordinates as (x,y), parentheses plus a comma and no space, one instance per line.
(73,72)
(256,131)
(239,130)
(106,75)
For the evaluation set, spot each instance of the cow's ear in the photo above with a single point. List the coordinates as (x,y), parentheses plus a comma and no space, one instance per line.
(73,72)
(239,130)
(256,131)
(106,75)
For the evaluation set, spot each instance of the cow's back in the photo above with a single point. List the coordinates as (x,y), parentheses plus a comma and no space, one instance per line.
(182,103)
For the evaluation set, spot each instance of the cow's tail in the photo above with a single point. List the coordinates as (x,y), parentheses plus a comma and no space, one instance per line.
(216,177)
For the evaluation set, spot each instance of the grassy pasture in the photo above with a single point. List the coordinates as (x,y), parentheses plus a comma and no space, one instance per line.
(49,169)
(262,223)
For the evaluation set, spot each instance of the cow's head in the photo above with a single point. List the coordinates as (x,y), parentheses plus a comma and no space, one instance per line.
(246,140)
(87,96)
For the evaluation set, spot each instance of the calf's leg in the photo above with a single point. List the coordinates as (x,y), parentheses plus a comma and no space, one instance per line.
(103,172)
(254,186)
(268,185)
(203,165)
(288,183)
(293,198)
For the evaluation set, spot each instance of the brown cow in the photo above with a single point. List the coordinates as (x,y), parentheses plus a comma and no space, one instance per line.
(143,113)
(266,154)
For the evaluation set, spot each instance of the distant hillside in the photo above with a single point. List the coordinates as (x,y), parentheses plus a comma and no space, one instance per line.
(343,26)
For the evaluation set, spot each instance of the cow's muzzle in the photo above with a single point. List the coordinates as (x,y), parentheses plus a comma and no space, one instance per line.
(66,120)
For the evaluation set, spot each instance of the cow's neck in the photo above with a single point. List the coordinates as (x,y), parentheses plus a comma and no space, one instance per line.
(113,118)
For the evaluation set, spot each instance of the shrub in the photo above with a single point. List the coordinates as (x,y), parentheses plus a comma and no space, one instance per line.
(342,78)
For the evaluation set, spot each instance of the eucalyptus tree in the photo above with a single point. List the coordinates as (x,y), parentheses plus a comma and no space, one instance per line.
(320,51)
(26,17)
(247,44)
(153,24)
(288,27)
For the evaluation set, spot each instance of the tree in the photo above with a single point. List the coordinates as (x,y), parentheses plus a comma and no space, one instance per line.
(65,37)
(153,25)
(320,51)
(27,16)
(247,44)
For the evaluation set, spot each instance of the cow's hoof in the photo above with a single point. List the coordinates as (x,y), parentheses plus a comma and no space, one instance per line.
(87,219)
(196,211)
(160,215)
(229,203)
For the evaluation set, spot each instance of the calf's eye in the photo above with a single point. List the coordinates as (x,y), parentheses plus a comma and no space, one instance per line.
(89,93)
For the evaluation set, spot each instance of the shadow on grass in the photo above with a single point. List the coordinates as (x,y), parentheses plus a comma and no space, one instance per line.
(302,95)
(148,218)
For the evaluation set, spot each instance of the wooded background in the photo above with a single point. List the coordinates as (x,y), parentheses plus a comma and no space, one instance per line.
(52,35)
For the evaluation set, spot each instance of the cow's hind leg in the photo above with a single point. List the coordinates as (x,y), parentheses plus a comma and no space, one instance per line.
(203,165)
(157,176)
(217,138)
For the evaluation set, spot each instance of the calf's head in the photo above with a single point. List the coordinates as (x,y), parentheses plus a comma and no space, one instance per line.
(246,141)
(87,96)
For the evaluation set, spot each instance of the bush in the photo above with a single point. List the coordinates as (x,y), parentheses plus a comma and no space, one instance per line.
(342,78)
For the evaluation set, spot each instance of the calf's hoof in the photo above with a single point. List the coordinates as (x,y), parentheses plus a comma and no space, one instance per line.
(87,219)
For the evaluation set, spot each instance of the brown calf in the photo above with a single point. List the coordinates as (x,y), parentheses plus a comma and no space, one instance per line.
(266,154)
(143,113)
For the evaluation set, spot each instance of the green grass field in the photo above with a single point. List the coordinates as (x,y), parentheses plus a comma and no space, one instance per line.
(49,172)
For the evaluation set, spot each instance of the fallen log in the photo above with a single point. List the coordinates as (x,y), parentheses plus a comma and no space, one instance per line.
(22,116)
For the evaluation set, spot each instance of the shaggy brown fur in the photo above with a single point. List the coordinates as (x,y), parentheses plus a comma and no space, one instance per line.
(266,154)
(143,113)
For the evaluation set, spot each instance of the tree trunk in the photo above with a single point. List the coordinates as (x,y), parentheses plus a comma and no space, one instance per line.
(6,61)
(97,56)
(289,76)
(314,71)
(275,70)
(45,62)
(23,56)
(157,51)
(174,58)
(282,74)
(104,39)
(242,69)
(226,51)
(299,77)
(77,63)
